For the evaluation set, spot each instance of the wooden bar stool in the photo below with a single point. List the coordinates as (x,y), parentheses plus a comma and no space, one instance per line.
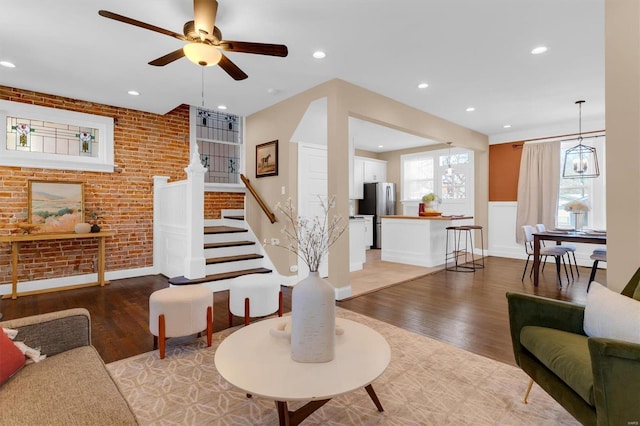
(479,264)
(454,250)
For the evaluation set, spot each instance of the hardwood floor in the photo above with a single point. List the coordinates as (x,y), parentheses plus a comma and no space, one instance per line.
(467,310)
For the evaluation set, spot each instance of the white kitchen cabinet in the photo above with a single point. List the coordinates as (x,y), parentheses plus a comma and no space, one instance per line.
(357,253)
(358,178)
(368,231)
(375,170)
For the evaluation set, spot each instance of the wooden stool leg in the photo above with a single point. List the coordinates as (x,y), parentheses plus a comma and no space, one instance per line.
(280,304)
(246,311)
(155,342)
(209,325)
(162,334)
(526,395)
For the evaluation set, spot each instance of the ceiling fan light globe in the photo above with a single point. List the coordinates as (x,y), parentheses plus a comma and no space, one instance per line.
(202,54)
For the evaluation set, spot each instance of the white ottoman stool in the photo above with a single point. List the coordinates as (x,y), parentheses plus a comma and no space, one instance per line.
(180,311)
(254,295)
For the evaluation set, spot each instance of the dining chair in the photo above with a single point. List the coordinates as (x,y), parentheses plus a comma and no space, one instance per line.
(598,255)
(571,251)
(556,251)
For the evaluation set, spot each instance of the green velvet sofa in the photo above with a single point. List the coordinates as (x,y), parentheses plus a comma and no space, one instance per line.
(596,380)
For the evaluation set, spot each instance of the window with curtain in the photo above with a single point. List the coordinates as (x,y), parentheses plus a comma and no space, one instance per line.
(588,190)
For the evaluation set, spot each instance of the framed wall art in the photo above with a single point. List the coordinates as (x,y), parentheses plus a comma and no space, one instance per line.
(267,159)
(56,206)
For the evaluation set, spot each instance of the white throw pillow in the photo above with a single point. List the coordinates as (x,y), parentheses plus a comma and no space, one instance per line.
(611,315)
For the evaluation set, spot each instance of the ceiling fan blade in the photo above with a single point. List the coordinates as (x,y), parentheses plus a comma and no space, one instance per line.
(257,48)
(168,58)
(140,24)
(231,68)
(204,16)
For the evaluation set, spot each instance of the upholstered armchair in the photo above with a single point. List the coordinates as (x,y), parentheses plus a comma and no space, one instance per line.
(596,379)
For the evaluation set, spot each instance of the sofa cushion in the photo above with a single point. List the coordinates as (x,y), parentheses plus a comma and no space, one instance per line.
(71,388)
(611,315)
(565,354)
(11,358)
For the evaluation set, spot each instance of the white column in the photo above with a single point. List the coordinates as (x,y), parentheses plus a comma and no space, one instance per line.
(194,263)
(158,238)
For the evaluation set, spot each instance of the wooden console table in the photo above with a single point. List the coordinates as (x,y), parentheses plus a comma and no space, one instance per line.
(15,241)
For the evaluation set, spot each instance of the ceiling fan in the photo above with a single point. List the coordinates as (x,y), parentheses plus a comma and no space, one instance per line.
(204,40)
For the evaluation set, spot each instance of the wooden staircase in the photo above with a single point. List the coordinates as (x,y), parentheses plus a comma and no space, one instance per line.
(230,252)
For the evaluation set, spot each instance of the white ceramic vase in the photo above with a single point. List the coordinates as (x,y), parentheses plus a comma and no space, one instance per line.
(313,320)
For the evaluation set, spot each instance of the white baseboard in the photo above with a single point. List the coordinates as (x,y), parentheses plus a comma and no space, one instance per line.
(73,280)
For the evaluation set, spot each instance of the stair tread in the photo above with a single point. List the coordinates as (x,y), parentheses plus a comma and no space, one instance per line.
(222,229)
(181,280)
(229,244)
(237,258)
(235,217)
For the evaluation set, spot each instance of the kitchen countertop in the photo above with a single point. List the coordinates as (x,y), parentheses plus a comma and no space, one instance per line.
(427,217)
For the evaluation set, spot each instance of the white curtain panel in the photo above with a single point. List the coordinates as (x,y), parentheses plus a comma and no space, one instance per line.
(538,186)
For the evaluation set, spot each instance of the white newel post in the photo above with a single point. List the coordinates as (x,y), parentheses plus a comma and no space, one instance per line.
(158,247)
(194,263)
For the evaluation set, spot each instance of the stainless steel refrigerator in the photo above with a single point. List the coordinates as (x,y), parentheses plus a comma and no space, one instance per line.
(379,200)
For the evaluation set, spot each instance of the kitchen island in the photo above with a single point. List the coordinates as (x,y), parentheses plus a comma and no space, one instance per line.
(417,240)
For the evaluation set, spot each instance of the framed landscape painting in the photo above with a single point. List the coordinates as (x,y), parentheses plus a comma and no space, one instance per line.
(56,206)
(267,159)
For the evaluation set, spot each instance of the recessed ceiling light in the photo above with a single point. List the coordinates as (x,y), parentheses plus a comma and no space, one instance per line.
(470,109)
(319,54)
(380,146)
(133,92)
(222,107)
(538,50)
(507,126)
(423,86)
(7,64)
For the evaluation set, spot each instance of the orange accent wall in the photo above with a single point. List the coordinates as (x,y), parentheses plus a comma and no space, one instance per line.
(504,168)
(146,145)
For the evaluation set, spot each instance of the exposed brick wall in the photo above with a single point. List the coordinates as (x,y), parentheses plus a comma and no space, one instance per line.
(214,202)
(146,145)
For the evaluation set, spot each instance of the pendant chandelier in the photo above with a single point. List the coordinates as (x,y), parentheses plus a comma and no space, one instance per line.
(449,168)
(581,161)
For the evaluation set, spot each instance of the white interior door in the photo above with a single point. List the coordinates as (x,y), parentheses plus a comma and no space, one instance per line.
(312,188)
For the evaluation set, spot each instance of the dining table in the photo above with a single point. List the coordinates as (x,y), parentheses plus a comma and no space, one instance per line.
(560,236)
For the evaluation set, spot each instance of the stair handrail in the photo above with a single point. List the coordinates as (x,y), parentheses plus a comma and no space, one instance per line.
(265,208)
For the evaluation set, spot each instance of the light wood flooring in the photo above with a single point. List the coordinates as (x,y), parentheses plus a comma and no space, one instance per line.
(467,310)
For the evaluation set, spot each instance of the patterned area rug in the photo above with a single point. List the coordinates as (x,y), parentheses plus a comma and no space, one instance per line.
(426,383)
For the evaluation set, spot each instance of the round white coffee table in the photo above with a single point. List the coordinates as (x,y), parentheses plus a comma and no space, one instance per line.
(258,363)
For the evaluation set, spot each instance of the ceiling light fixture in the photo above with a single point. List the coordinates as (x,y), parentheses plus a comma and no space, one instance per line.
(423,86)
(507,126)
(202,54)
(538,50)
(470,109)
(581,161)
(133,93)
(380,146)
(222,107)
(319,54)
(7,64)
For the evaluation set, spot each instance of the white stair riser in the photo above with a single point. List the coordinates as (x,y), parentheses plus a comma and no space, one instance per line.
(229,251)
(225,238)
(220,268)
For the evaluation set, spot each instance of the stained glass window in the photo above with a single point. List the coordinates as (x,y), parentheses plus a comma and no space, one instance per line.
(219,139)
(24,134)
